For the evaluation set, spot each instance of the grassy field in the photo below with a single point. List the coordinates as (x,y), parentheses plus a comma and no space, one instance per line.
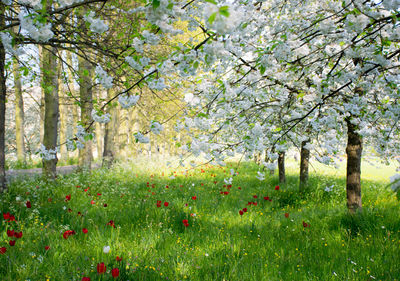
(164,224)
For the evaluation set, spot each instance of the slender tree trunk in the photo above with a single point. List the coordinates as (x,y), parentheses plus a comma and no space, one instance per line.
(73,96)
(86,100)
(281,167)
(63,114)
(304,162)
(41,106)
(19,113)
(353,175)
(109,131)
(3,93)
(51,108)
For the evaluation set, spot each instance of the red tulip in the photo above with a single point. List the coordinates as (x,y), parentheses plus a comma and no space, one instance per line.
(8,217)
(266,198)
(306,224)
(67,197)
(12,242)
(101,268)
(115,272)
(68,233)
(28,204)
(86,279)
(241,212)
(18,234)
(245,210)
(277,187)
(3,250)
(194,197)
(92,202)
(47,248)
(84,230)
(286,215)
(185,223)
(166,204)
(111,223)
(158,203)
(255,196)
(105,205)
(118,259)
(10,233)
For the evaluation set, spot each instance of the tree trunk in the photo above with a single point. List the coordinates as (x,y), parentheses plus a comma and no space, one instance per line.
(63,114)
(86,101)
(281,167)
(109,135)
(353,175)
(19,114)
(3,93)
(51,110)
(73,97)
(304,162)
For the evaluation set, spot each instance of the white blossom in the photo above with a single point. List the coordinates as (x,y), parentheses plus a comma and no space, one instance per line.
(103,118)
(97,25)
(104,78)
(128,101)
(156,127)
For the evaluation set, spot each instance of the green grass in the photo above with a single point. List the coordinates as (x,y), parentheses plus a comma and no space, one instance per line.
(218,244)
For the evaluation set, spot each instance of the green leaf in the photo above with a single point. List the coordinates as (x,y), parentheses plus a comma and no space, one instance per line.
(262,69)
(224,10)
(211,19)
(156,4)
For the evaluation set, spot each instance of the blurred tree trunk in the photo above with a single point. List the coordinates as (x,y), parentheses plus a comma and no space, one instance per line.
(73,96)
(51,108)
(99,132)
(86,105)
(19,113)
(304,162)
(281,167)
(41,106)
(3,93)
(63,114)
(109,134)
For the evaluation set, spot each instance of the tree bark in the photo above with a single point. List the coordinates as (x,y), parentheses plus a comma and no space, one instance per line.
(86,105)
(109,135)
(19,114)
(51,108)
(3,93)
(353,175)
(63,114)
(281,167)
(304,162)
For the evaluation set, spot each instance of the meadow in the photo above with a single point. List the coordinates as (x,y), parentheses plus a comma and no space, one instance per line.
(146,221)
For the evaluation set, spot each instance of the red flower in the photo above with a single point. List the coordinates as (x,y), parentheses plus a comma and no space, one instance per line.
(86,279)
(115,272)
(92,202)
(286,215)
(306,224)
(185,223)
(194,197)
(277,187)
(12,242)
(68,233)
(245,210)
(158,203)
(28,204)
(241,212)
(101,268)
(10,233)
(86,189)
(3,250)
(266,198)
(67,197)
(166,204)
(239,188)
(118,259)
(18,234)
(255,196)
(226,192)
(98,194)
(47,248)
(8,217)
(111,223)
(84,230)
